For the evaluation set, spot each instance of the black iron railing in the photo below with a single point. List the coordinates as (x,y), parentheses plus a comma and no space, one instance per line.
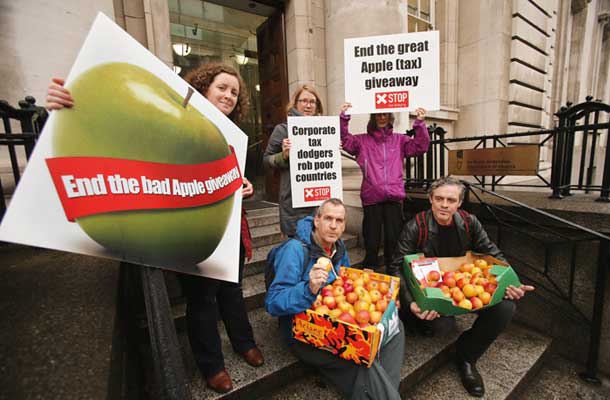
(581,124)
(536,226)
(30,119)
(168,364)
(590,113)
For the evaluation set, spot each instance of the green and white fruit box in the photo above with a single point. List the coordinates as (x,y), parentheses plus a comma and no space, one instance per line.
(432,298)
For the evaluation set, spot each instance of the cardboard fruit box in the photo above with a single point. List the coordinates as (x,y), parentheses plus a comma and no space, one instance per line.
(431,298)
(345,340)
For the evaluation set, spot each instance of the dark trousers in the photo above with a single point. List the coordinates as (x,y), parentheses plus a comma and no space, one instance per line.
(206,297)
(473,342)
(388,214)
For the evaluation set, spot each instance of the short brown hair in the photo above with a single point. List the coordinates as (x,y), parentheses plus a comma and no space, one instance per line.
(202,77)
(444,181)
(297,94)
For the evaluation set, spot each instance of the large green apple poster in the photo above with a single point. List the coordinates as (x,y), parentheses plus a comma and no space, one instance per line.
(141,169)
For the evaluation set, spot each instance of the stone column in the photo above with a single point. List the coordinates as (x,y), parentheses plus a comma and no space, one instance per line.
(305,52)
(483,66)
(148,22)
(447,24)
(584,21)
(357,18)
(562,44)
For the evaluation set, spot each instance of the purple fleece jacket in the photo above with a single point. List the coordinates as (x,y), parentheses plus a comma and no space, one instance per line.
(380,154)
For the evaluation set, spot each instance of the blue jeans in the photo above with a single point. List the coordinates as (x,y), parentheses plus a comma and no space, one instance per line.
(205,298)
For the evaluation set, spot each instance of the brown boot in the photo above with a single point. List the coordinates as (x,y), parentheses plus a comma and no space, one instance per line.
(254,357)
(221,382)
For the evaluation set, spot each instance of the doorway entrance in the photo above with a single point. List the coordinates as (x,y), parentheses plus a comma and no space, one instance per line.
(226,31)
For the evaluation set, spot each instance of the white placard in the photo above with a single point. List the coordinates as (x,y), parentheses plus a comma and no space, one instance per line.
(315,160)
(392,73)
(137,121)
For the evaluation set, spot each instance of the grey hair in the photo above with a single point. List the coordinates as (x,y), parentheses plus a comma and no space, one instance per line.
(444,181)
(334,201)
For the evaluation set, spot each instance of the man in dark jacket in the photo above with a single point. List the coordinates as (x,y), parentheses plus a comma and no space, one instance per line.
(448,235)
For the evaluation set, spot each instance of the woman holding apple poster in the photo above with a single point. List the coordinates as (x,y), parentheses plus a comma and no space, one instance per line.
(222,86)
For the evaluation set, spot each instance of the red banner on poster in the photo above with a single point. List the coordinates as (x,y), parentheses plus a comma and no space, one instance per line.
(96,185)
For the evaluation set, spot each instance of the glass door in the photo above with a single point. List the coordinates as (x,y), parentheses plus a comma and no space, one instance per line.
(203,31)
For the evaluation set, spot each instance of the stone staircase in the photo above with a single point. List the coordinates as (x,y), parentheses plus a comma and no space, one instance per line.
(57,325)
(427,371)
(58,337)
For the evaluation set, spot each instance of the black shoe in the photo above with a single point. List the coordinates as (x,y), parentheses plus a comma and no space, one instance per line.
(471,379)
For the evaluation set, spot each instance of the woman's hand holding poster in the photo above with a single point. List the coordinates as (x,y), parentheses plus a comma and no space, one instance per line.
(315,160)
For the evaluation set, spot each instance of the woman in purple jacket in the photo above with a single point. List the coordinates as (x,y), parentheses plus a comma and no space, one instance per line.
(380,153)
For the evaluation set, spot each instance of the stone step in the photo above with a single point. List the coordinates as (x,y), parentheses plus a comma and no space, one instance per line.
(507,368)
(266,216)
(264,208)
(58,324)
(428,371)
(6,171)
(284,377)
(253,288)
(249,383)
(559,379)
(265,235)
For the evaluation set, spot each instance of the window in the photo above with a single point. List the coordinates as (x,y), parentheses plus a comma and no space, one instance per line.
(203,31)
(420,15)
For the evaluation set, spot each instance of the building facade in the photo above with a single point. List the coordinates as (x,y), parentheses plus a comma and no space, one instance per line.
(506,66)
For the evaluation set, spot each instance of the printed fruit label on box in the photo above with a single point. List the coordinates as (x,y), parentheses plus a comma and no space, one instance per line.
(142,169)
(427,269)
(352,322)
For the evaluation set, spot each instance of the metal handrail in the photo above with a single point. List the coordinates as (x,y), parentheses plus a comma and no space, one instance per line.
(31,119)
(431,166)
(604,125)
(603,263)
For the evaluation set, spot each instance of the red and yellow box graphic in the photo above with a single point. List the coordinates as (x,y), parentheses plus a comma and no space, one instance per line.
(325,325)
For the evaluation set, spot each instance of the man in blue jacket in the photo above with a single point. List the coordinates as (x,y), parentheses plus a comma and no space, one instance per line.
(295,286)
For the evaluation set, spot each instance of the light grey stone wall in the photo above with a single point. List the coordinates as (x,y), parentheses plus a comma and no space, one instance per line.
(484,44)
(39,40)
(148,22)
(305,46)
